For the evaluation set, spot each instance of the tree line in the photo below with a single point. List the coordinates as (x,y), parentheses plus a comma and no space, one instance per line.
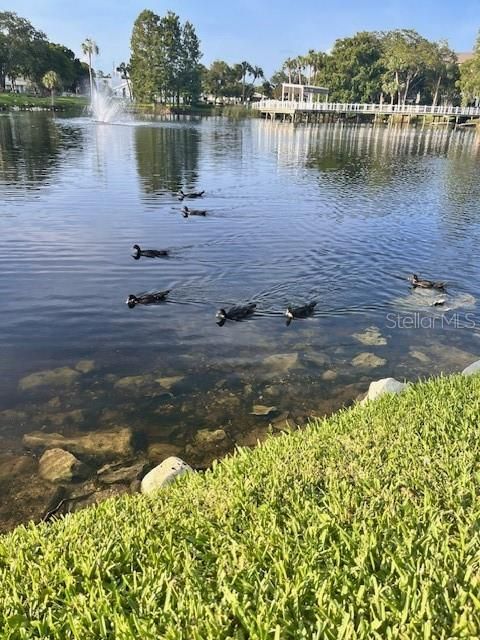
(400,66)
(26,51)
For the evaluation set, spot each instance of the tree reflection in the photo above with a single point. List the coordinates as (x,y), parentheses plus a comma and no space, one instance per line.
(167,157)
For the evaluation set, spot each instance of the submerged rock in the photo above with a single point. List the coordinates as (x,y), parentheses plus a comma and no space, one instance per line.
(419,355)
(380,387)
(282,362)
(12,465)
(262,410)
(170,381)
(57,465)
(163,474)
(368,361)
(472,368)
(207,438)
(118,473)
(158,451)
(61,377)
(114,443)
(329,375)
(85,366)
(371,337)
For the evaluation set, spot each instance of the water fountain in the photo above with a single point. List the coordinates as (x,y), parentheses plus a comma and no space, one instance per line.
(106,108)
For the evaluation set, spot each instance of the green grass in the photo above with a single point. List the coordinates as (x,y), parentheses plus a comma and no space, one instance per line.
(364,525)
(17,100)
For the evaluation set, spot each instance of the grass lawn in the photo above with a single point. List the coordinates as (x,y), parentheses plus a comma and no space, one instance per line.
(363,525)
(13,100)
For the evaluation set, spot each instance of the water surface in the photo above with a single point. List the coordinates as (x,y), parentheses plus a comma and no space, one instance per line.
(334,213)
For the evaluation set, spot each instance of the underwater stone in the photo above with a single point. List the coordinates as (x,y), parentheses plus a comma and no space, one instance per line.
(114,443)
(85,366)
(58,465)
(61,377)
(368,360)
(371,337)
(164,474)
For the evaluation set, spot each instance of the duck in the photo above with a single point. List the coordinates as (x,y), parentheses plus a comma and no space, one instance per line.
(147,298)
(192,194)
(300,312)
(149,253)
(425,284)
(238,312)
(193,212)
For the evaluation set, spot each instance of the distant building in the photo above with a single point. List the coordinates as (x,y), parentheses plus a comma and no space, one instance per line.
(20,85)
(464,57)
(303,92)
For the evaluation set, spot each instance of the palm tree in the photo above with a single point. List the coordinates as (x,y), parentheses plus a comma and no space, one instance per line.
(51,81)
(124,71)
(90,48)
(257,72)
(289,65)
(246,67)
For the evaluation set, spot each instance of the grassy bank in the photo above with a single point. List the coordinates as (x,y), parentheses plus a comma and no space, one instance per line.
(10,101)
(364,525)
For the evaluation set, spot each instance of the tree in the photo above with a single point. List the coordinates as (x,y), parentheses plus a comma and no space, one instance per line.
(124,71)
(353,70)
(245,68)
(406,58)
(144,44)
(19,41)
(469,82)
(257,72)
(217,79)
(190,79)
(168,56)
(51,81)
(90,49)
(442,73)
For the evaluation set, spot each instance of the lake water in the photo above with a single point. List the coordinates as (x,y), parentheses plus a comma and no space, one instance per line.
(339,214)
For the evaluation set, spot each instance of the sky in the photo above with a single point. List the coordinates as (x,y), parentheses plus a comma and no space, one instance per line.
(263,33)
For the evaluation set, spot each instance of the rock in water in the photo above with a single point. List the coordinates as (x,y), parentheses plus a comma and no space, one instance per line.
(371,337)
(163,474)
(57,465)
(114,443)
(61,377)
(85,366)
(262,410)
(380,387)
(368,361)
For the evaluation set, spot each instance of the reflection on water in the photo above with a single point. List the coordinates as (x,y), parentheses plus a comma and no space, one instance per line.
(335,213)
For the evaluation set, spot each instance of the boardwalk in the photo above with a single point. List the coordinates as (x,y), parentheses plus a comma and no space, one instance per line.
(302,110)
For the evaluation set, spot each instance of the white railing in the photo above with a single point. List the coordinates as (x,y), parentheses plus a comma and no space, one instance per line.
(350,107)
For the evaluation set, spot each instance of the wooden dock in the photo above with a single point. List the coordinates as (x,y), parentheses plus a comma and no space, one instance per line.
(295,111)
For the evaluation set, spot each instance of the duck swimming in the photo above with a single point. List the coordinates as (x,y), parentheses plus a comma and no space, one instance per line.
(299,312)
(425,284)
(149,253)
(192,194)
(147,298)
(193,212)
(238,312)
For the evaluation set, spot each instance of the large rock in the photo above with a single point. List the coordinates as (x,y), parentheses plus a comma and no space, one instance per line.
(163,474)
(85,366)
(114,443)
(472,368)
(158,451)
(57,465)
(61,377)
(207,438)
(380,387)
(368,361)
(117,473)
(282,362)
(371,337)
(12,465)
